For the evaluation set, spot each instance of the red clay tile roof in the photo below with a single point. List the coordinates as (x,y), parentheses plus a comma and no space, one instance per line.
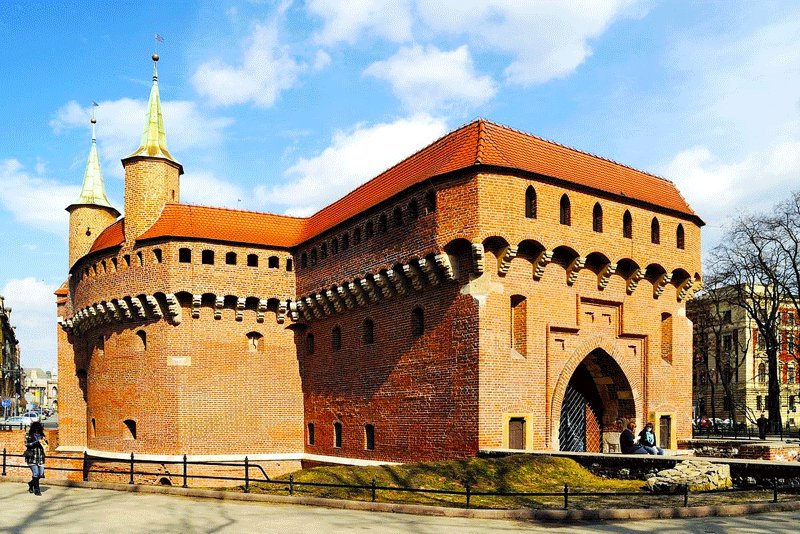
(478,143)
(220,224)
(112,236)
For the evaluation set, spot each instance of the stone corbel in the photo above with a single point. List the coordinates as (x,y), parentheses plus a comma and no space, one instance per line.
(504,260)
(219,303)
(661,283)
(478,257)
(125,309)
(398,282)
(280,315)
(685,289)
(240,304)
(346,297)
(154,307)
(323,303)
(369,289)
(138,308)
(293,311)
(574,268)
(383,284)
(605,274)
(413,274)
(334,299)
(430,271)
(541,261)
(174,309)
(113,310)
(358,293)
(303,310)
(697,286)
(633,281)
(449,266)
(261,310)
(197,300)
(311,305)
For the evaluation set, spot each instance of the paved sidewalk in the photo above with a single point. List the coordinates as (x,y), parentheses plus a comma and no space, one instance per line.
(77,510)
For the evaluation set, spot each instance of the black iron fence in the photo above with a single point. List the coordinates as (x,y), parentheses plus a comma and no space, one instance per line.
(566,496)
(749,432)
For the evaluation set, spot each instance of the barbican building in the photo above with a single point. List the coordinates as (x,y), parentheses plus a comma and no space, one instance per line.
(494,290)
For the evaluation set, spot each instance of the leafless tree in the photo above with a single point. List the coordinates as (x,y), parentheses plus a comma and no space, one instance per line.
(749,258)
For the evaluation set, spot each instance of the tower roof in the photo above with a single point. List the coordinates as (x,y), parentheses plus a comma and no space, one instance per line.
(154,138)
(94,191)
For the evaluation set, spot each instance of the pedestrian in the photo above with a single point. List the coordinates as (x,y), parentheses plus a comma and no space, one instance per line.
(647,439)
(627,441)
(762,423)
(35,447)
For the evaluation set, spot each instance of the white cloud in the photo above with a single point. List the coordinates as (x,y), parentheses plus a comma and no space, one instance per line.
(716,188)
(35,201)
(351,20)
(266,69)
(352,158)
(206,189)
(321,60)
(546,40)
(428,79)
(33,315)
(120,124)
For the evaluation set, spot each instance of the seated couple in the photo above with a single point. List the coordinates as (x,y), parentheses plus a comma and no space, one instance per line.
(646,443)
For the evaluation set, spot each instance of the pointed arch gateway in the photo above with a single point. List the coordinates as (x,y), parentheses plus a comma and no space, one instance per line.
(592,394)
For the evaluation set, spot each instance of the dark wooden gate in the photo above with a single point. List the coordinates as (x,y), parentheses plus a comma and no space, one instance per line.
(664,431)
(516,433)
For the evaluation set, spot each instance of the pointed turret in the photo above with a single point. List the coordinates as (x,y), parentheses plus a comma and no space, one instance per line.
(152,175)
(92,212)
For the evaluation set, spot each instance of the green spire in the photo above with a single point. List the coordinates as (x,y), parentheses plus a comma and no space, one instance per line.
(154,140)
(94,190)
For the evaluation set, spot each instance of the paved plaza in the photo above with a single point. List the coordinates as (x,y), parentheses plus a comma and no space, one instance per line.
(63,510)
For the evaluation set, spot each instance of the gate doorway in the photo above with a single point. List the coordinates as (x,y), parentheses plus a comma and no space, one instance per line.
(597,397)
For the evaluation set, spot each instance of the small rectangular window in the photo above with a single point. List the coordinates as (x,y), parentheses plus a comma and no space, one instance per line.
(369,437)
(310,433)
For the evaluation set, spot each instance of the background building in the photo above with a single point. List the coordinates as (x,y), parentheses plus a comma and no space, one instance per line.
(493,290)
(10,379)
(40,388)
(730,361)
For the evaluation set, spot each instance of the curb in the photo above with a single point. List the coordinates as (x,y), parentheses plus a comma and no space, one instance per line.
(725,510)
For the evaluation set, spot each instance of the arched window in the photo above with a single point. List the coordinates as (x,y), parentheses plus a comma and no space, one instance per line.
(336,338)
(289,265)
(157,255)
(530,202)
(368,332)
(597,218)
(335,246)
(519,324)
(369,230)
(252,260)
(311,433)
(790,373)
(680,237)
(369,437)
(383,225)
(255,342)
(346,240)
(207,257)
(184,256)
(762,372)
(323,251)
(566,211)
(417,322)
(303,260)
(337,435)
(356,236)
(273,262)
(397,215)
(141,343)
(230,258)
(312,257)
(129,430)
(430,201)
(310,344)
(627,225)
(655,232)
(139,257)
(413,209)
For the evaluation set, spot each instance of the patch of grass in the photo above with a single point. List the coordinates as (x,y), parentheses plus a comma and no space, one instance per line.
(517,473)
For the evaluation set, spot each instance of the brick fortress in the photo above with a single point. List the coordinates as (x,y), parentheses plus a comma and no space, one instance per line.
(493,290)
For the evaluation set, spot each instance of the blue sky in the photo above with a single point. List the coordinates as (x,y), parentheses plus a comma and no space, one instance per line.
(286,106)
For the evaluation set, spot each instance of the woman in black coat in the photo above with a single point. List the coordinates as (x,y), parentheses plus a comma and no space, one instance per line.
(35,443)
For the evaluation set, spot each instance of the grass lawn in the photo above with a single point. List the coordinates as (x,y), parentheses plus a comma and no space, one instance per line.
(517,473)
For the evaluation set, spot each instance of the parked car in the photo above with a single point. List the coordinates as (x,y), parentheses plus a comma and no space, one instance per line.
(18,421)
(703,422)
(34,416)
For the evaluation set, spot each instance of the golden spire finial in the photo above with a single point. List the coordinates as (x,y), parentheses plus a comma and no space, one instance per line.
(94,190)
